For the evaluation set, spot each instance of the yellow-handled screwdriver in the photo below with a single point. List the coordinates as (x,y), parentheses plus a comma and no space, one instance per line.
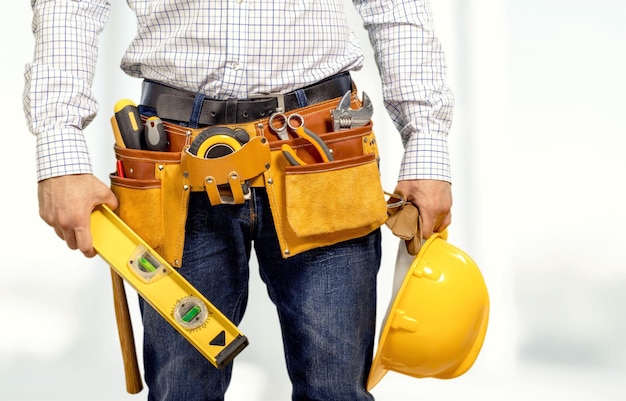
(127,125)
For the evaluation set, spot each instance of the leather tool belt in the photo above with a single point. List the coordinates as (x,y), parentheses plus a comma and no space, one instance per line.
(177,105)
(314,203)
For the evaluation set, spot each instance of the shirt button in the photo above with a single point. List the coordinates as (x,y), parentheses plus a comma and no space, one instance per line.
(239,1)
(236,66)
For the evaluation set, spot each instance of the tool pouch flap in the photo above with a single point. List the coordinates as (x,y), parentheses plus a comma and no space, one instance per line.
(250,161)
(232,170)
(331,198)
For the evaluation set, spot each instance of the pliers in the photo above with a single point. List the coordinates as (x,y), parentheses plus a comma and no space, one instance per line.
(318,143)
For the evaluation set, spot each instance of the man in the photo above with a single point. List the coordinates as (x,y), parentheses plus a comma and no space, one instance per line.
(224,50)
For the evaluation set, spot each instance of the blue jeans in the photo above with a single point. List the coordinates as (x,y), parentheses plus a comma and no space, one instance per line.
(325,298)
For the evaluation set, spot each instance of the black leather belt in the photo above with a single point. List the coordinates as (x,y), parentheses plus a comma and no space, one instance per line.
(177,104)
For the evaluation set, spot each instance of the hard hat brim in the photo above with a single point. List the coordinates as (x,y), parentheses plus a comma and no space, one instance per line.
(387,357)
(377,370)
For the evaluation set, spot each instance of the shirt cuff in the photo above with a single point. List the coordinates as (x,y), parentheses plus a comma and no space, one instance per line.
(426,158)
(62,152)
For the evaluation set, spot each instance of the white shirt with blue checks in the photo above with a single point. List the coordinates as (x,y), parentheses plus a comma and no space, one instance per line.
(234,48)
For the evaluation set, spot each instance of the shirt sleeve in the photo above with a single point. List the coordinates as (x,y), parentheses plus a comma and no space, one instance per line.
(412,68)
(58,99)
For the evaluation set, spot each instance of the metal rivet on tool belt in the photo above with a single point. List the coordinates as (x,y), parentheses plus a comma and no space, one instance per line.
(234,176)
(270,181)
(267,165)
(287,252)
(186,187)
(161,167)
(209,180)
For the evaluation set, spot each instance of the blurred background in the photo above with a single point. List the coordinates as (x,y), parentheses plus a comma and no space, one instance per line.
(537,146)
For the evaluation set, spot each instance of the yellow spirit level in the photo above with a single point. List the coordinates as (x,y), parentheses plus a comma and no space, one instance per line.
(186,309)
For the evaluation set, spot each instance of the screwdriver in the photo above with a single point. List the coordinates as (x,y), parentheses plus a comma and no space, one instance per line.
(127,126)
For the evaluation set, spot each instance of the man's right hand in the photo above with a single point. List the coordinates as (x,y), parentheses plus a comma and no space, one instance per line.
(66,203)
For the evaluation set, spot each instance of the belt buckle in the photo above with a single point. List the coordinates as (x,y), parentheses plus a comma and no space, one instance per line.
(280,98)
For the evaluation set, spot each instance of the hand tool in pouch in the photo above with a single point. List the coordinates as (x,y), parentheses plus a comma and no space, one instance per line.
(346,117)
(127,125)
(166,290)
(318,143)
(154,134)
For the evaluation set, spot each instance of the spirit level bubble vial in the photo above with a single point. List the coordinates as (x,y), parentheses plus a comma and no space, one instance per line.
(184,307)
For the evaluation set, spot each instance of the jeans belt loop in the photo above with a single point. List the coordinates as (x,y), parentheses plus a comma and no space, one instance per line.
(196,110)
(301,96)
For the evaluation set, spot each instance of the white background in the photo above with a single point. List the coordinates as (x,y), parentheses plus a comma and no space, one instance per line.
(537,145)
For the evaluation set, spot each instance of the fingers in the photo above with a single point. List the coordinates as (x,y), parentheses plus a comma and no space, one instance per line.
(434,223)
(84,242)
(433,198)
(75,231)
(66,203)
(109,199)
(112,202)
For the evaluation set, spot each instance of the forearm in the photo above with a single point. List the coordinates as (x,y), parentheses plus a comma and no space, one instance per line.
(58,101)
(412,68)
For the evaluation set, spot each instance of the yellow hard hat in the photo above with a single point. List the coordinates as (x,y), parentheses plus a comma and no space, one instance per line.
(437,322)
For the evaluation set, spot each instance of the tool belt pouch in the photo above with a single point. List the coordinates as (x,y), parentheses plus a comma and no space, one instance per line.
(224,179)
(324,203)
(153,198)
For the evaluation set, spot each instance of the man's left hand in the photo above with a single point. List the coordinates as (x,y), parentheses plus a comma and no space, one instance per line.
(433,198)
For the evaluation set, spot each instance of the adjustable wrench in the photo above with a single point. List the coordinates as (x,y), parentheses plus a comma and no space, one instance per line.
(346,117)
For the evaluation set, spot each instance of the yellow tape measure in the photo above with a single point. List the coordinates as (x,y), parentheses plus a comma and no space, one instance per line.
(218,141)
(184,307)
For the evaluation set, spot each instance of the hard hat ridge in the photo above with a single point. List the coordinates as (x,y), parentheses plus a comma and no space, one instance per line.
(436,324)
